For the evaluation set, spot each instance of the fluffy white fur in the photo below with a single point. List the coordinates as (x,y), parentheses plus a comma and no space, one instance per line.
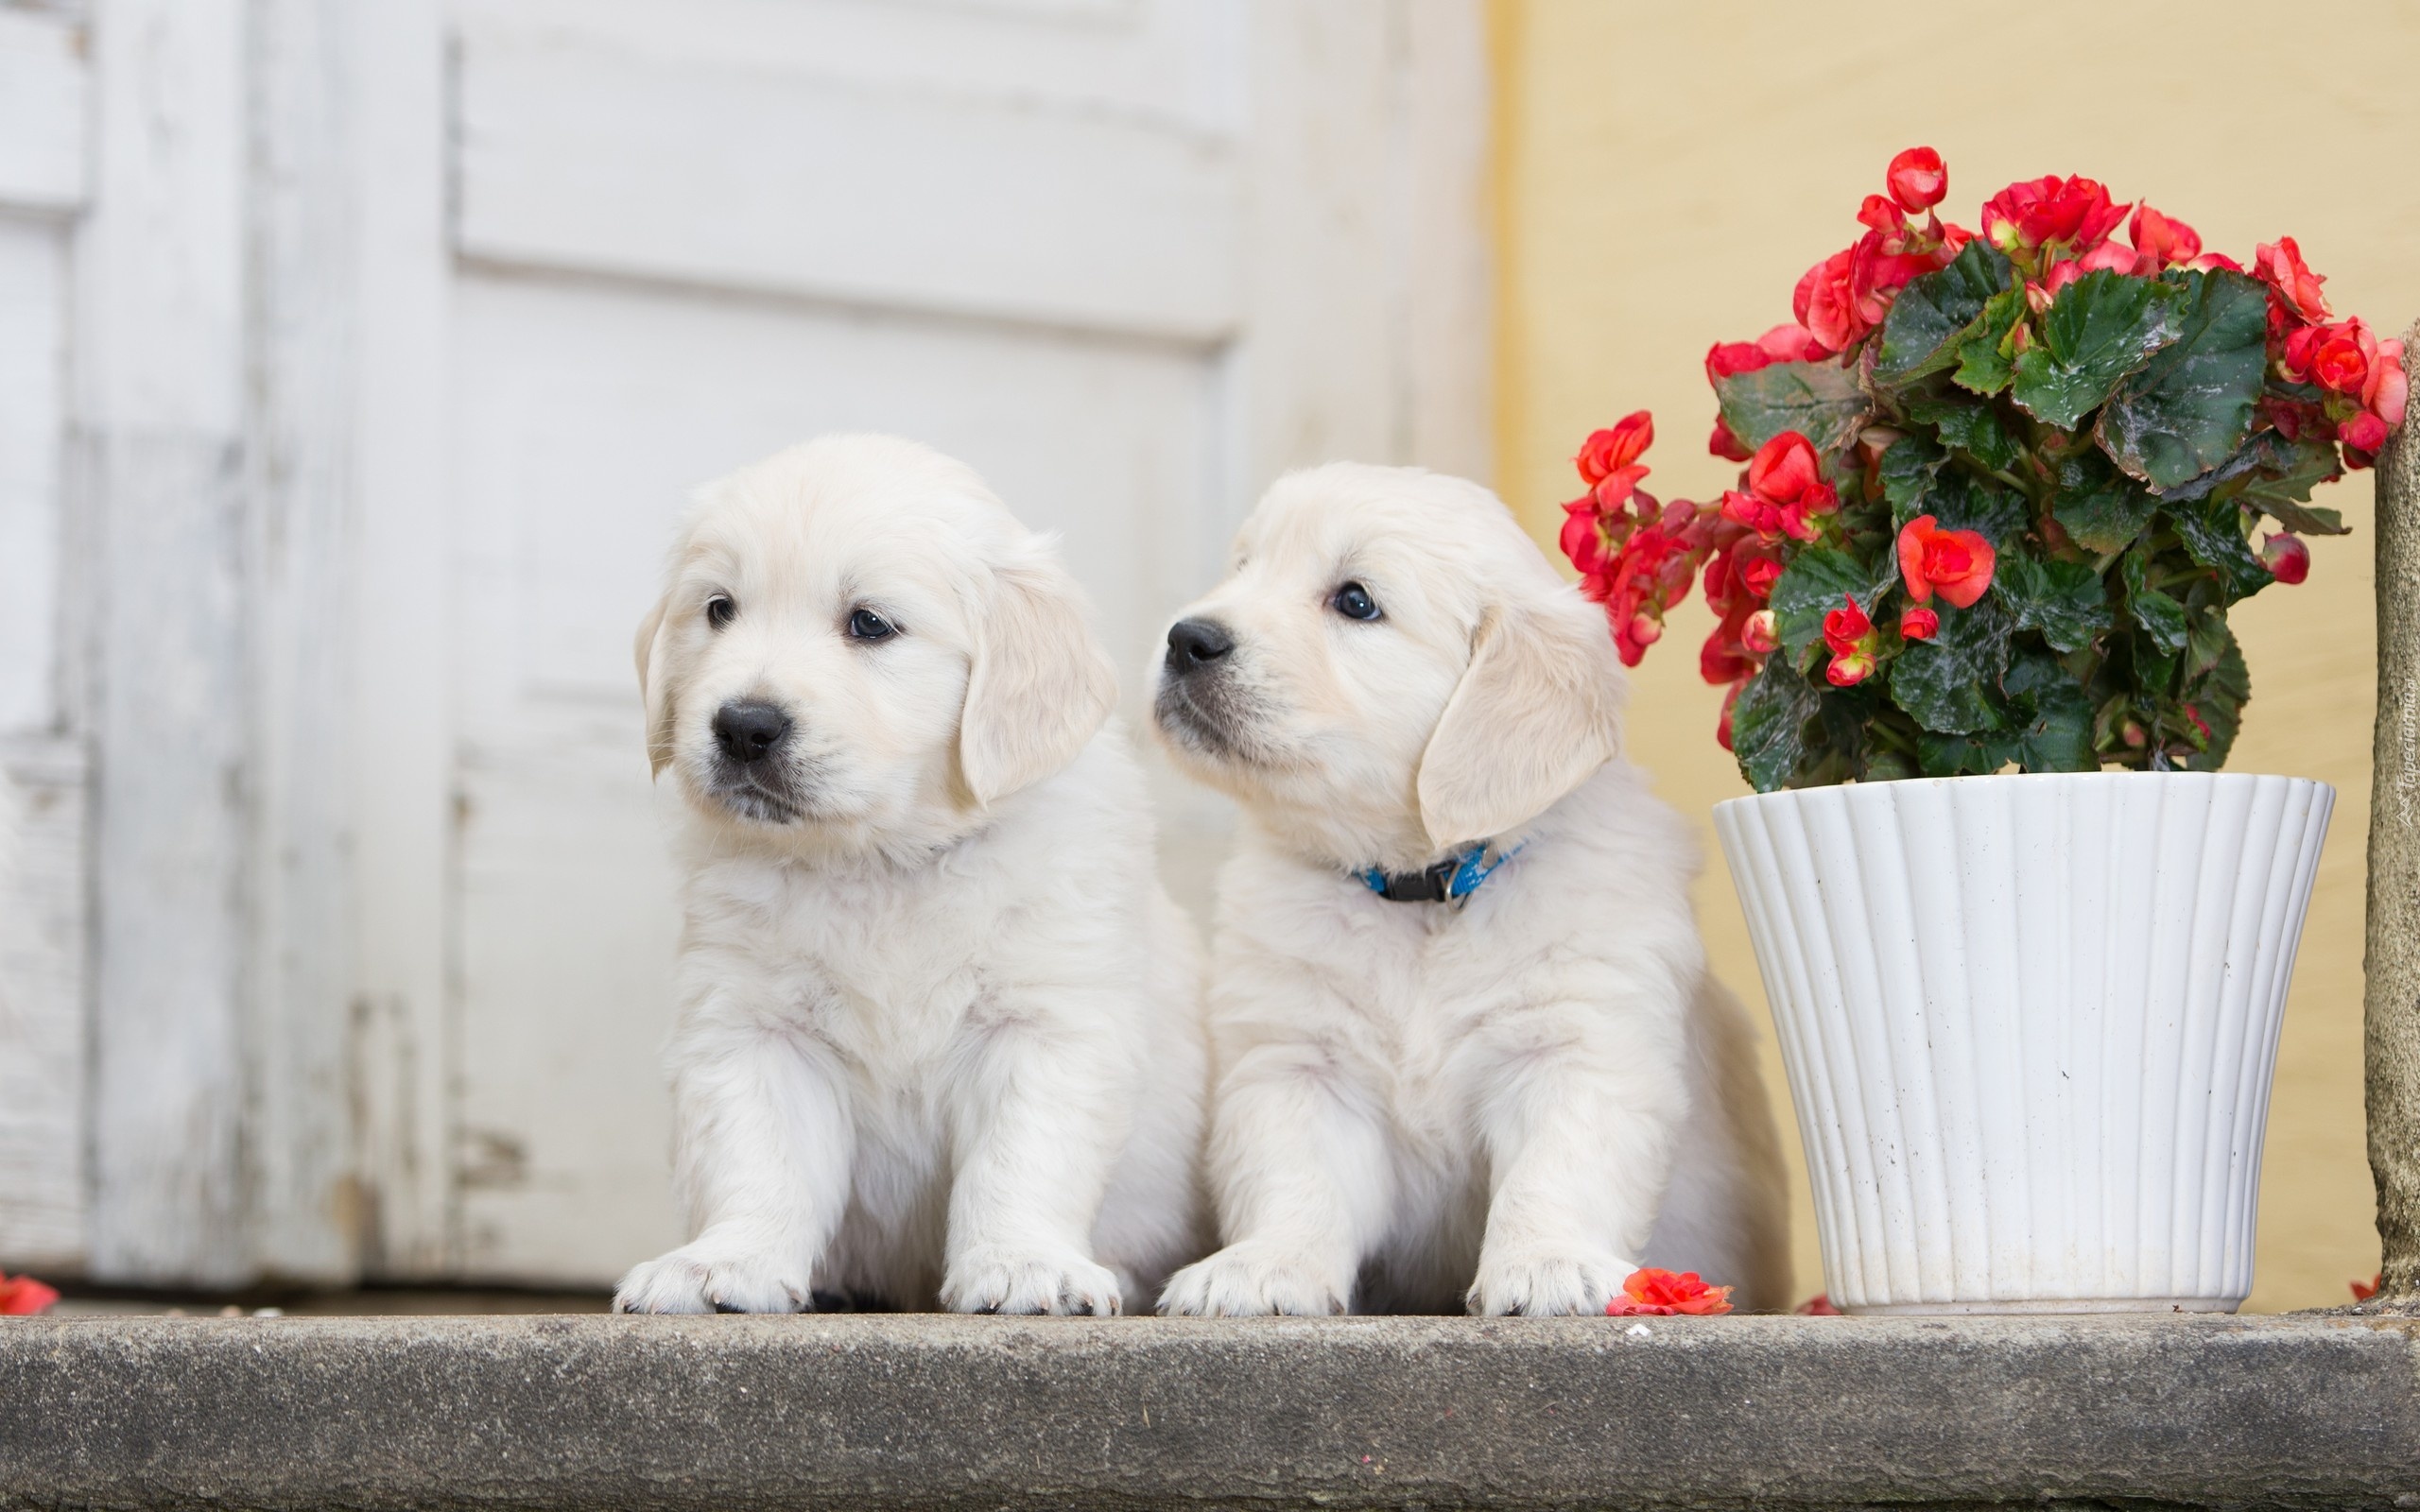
(938,1036)
(1508,1105)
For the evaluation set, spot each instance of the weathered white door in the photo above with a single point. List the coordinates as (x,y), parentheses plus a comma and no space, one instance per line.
(1127,257)
(455,303)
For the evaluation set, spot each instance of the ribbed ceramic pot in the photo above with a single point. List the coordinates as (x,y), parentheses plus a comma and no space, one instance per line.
(2029,1024)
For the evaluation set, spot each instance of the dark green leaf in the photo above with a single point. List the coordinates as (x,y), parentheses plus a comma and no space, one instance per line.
(1819,400)
(1961,502)
(2219,699)
(1971,427)
(2063,600)
(2050,715)
(1933,316)
(1945,684)
(2207,640)
(2191,406)
(1964,755)
(2161,616)
(1816,582)
(1769,725)
(2097,330)
(2212,530)
(1907,469)
(2287,471)
(1987,357)
(2100,506)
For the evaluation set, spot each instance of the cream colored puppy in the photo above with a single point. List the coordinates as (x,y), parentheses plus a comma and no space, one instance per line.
(938,1034)
(1505,1098)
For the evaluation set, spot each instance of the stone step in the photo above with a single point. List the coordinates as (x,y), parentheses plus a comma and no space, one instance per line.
(931,1412)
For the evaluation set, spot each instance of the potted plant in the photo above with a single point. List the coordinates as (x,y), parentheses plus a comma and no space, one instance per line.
(2027,948)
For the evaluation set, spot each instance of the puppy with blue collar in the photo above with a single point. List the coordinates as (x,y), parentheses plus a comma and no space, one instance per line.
(1467,1053)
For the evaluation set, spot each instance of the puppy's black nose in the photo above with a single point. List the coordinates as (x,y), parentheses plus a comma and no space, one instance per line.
(750,732)
(1194,644)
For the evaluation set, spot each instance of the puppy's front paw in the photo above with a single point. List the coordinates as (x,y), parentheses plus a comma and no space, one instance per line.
(999,1278)
(710,1276)
(1545,1283)
(1250,1279)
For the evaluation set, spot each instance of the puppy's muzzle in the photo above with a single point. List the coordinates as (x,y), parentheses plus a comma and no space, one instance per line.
(748,732)
(1197,647)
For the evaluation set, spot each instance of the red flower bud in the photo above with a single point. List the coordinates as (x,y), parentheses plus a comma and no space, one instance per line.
(1848,634)
(1919,624)
(1760,633)
(2166,243)
(1725,445)
(2363,432)
(1723,725)
(1917,179)
(2286,556)
(1756,575)
(1957,563)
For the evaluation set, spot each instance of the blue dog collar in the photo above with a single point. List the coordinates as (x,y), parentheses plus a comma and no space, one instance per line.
(1449,880)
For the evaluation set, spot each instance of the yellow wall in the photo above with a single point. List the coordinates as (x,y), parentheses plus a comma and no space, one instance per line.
(1668,171)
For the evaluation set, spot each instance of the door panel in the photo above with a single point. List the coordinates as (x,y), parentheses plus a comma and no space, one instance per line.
(582,157)
(1122,257)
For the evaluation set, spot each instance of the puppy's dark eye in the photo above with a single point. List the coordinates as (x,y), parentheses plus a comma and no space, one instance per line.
(865,624)
(720,611)
(1354,602)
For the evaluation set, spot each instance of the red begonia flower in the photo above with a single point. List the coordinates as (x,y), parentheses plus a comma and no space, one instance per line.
(1661,1294)
(1956,563)
(1819,1305)
(2294,289)
(1723,444)
(2286,556)
(1826,303)
(2363,1291)
(1608,452)
(1919,624)
(2390,388)
(1786,487)
(22,1296)
(1917,181)
(2074,213)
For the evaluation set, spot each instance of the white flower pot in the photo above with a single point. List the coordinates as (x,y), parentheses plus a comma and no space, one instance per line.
(2029,1024)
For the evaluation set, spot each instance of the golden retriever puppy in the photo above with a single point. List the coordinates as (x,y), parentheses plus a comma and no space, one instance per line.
(1466,1053)
(938,1036)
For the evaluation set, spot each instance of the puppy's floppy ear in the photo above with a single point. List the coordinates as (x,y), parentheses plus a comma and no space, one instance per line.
(655,684)
(1538,712)
(1040,684)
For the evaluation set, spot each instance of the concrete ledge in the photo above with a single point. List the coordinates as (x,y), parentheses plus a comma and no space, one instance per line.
(849,1412)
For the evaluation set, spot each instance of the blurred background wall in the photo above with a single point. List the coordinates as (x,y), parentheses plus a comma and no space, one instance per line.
(1665,172)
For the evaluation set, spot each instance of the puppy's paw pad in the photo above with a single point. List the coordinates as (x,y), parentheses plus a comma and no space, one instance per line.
(703,1279)
(997,1278)
(1548,1284)
(1253,1280)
